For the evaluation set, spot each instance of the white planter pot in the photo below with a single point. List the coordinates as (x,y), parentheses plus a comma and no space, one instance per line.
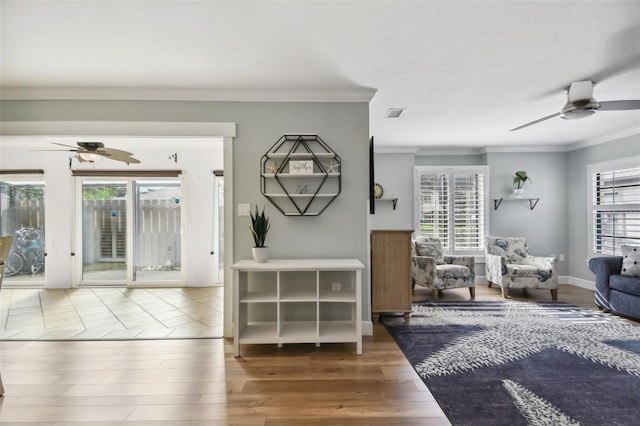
(260,254)
(517,192)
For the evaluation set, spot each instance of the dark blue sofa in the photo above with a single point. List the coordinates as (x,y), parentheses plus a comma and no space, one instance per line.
(616,293)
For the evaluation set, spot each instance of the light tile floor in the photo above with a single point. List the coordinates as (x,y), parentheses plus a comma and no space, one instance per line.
(111,313)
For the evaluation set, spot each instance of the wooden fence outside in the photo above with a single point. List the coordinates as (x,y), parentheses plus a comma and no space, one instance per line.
(104,225)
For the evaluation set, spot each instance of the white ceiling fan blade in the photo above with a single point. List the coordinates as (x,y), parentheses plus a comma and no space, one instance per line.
(118,155)
(535,122)
(620,105)
(73,148)
(113,151)
(580,90)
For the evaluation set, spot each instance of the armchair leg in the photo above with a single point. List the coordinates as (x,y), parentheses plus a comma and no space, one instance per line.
(489,284)
(505,292)
(554,294)
(434,294)
(472,292)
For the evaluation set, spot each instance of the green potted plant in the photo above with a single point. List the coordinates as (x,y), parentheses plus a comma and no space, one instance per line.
(259,229)
(518,181)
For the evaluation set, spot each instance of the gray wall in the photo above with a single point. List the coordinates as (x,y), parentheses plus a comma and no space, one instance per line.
(545,225)
(341,231)
(578,193)
(395,173)
(559,224)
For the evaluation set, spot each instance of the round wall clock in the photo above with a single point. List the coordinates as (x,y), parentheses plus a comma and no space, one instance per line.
(378,190)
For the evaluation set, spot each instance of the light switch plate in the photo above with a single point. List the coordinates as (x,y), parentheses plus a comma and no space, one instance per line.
(244,209)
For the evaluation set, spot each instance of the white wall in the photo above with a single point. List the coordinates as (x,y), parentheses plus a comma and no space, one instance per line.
(196,158)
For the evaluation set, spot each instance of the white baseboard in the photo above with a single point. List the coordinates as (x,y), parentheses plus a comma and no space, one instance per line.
(579,282)
(562,279)
(367,328)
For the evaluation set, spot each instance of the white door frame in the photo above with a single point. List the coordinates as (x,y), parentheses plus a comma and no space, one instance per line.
(154,129)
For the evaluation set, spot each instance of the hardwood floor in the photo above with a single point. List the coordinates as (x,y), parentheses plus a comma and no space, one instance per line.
(198,382)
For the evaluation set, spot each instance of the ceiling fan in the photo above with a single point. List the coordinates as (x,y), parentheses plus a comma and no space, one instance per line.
(581,104)
(93,151)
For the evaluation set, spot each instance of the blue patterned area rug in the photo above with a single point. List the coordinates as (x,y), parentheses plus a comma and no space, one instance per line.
(522,363)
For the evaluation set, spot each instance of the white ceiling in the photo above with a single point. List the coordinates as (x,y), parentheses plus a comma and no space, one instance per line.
(466,71)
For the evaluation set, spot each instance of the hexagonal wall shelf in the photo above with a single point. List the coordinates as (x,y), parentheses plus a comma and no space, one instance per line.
(300,175)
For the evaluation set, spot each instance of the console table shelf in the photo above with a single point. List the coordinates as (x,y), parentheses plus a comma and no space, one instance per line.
(532,201)
(297,301)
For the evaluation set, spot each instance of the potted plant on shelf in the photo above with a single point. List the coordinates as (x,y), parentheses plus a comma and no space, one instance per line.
(518,181)
(259,229)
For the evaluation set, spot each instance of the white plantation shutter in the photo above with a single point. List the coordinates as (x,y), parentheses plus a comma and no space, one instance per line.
(615,205)
(434,208)
(451,205)
(468,212)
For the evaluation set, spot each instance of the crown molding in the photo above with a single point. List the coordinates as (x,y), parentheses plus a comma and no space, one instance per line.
(197,95)
(117,129)
(633,131)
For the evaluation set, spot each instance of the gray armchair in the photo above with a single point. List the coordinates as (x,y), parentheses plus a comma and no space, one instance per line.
(431,269)
(509,265)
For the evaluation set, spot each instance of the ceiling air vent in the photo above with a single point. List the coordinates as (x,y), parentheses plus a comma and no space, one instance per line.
(394,112)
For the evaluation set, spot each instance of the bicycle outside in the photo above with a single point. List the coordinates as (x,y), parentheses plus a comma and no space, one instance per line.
(27,254)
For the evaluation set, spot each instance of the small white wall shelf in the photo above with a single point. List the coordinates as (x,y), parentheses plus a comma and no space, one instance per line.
(297,301)
(394,201)
(498,201)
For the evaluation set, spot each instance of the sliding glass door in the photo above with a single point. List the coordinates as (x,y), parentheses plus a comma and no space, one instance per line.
(158,231)
(22,199)
(130,231)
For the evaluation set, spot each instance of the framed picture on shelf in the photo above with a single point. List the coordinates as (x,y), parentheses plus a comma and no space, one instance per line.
(300,167)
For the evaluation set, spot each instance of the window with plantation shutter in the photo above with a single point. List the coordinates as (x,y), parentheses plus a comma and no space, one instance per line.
(615,205)
(451,205)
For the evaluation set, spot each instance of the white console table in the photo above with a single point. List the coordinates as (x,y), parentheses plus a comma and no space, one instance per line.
(297,301)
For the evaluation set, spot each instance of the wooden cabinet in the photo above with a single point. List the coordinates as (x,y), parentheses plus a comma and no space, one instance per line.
(391,272)
(297,301)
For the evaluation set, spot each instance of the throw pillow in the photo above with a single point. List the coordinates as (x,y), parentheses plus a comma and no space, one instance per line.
(431,249)
(631,261)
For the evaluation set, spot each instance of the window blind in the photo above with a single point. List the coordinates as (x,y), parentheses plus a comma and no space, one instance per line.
(452,207)
(616,209)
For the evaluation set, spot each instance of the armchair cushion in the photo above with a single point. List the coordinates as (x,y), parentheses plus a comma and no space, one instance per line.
(529,271)
(428,246)
(630,261)
(453,271)
(513,249)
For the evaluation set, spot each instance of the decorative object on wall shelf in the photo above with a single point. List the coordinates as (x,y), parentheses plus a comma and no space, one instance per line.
(272,168)
(532,201)
(307,179)
(518,181)
(378,190)
(332,166)
(259,229)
